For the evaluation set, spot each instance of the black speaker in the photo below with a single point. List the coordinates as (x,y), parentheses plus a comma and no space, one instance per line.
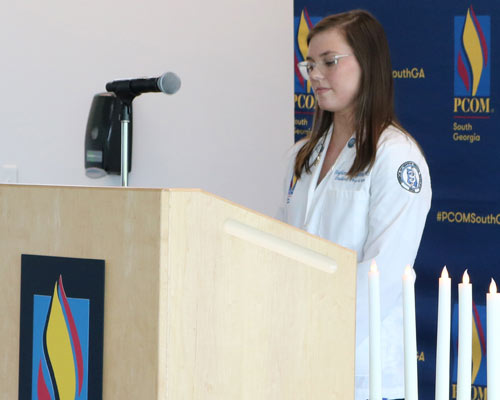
(103,137)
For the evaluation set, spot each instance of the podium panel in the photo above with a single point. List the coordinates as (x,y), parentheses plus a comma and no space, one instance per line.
(204,299)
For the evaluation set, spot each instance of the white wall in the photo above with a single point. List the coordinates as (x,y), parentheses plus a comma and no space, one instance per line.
(225,131)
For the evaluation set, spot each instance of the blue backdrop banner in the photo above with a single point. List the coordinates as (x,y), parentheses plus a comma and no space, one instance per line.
(447,86)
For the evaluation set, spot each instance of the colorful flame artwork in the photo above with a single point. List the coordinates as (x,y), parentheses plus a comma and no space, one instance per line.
(472,57)
(305,25)
(60,346)
(478,344)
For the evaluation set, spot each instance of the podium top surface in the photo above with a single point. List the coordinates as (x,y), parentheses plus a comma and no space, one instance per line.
(160,191)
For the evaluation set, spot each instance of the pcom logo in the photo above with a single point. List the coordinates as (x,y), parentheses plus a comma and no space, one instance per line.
(472,64)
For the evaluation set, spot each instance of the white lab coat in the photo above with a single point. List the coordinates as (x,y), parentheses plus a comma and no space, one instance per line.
(381,215)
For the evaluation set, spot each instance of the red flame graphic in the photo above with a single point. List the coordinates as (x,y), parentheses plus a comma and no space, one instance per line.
(42,390)
(307,18)
(479,328)
(74,336)
(462,71)
(481,35)
(297,72)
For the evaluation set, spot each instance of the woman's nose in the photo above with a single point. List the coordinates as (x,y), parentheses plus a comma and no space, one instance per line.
(316,73)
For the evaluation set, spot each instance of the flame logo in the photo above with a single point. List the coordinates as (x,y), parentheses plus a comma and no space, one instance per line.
(470,69)
(60,368)
(478,370)
(303,30)
(478,343)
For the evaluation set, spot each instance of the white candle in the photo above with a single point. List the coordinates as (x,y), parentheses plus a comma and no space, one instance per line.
(410,335)
(493,341)
(443,338)
(374,312)
(464,339)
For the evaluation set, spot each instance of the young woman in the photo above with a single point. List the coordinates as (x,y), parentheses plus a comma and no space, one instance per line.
(359,179)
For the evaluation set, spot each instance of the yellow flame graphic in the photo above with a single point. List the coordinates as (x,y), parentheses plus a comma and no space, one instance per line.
(472,46)
(302,33)
(477,353)
(60,351)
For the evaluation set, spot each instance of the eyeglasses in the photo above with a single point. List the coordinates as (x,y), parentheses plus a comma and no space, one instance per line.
(306,67)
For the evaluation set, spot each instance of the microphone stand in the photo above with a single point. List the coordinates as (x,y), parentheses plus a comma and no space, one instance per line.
(125,129)
(126,98)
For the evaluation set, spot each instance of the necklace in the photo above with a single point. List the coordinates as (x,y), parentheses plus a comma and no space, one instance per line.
(316,161)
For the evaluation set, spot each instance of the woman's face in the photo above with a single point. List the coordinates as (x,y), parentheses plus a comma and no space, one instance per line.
(335,85)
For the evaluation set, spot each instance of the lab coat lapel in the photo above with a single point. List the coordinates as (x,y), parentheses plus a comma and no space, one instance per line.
(315,173)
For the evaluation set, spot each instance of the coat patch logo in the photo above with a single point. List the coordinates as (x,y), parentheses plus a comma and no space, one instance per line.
(409,177)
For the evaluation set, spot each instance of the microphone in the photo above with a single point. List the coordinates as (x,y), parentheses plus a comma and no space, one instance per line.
(168,83)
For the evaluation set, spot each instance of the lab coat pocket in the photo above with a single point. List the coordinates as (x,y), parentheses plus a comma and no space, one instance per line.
(344,217)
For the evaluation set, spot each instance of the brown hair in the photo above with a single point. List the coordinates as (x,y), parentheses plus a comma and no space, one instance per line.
(374,108)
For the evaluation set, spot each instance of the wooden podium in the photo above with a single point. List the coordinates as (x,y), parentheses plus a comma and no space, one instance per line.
(204,299)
